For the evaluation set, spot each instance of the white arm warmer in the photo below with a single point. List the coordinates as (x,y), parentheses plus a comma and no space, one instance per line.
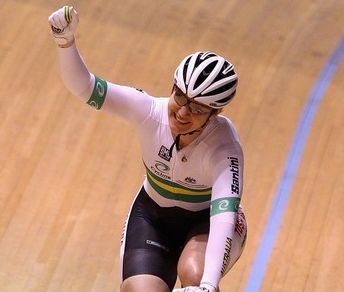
(127,102)
(74,72)
(223,247)
(220,238)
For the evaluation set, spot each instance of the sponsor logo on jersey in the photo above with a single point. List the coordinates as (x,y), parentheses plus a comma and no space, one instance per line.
(234,168)
(192,185)
(98,94)
(190,180)
(164,153)
(157,244)
(161,166)
(161,169)
(226,256)
(100,89)
(240,225)
(221,205)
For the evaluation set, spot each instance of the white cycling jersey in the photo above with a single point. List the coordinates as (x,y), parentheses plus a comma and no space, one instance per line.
(206,173)
(208,168)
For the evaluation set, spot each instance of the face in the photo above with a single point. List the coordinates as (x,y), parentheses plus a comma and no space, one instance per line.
(186,115)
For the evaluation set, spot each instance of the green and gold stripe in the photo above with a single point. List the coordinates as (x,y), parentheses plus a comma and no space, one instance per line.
(67,14)
(174,191)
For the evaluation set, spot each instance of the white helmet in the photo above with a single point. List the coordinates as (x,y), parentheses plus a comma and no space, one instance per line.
(208,78)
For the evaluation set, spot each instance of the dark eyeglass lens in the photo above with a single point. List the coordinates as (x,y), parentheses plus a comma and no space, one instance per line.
(180,99)
(193,107)
(198,109)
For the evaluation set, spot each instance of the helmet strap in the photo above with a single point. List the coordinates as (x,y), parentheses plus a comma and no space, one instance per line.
(175,143)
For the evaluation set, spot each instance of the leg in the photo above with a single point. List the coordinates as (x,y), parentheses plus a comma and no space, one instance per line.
(148,261)
(191,261)
(141,283)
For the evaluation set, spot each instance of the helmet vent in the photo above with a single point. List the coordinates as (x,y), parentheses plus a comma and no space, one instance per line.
(221,89)
(205,73)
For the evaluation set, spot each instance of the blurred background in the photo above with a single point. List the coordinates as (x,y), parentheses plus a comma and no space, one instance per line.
(68,173)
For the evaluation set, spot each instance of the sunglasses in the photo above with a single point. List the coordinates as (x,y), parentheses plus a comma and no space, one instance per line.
(193,107)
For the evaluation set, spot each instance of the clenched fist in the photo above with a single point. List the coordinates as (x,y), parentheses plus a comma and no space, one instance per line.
(64,22)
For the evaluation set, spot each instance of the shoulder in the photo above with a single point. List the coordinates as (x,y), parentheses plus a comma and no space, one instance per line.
(224,131)
(222,140)
(223,146)
(159,111)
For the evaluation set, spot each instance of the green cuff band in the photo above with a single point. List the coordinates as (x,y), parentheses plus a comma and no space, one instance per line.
(229,204)
(99,93)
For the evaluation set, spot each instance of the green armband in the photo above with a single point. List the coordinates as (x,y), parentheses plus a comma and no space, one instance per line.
(229,204)
(99,93)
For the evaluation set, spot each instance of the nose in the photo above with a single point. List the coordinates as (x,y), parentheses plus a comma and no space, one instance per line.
(184,111)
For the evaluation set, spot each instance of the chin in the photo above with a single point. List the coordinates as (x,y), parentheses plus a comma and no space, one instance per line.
(178,128)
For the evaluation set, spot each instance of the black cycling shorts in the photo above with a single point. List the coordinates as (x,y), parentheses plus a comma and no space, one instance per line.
(154,238)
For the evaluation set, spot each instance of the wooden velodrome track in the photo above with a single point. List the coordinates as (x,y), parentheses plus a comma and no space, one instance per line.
(68,173)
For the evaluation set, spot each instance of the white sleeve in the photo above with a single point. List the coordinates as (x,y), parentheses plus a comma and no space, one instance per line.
(127,102)
(226,194)
(218,246)
(75,75)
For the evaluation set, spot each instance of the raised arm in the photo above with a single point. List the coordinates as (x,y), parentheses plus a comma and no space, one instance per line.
(75,75)
(127,102)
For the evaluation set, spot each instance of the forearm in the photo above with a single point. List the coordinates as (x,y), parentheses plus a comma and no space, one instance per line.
(74,73)
(218,250)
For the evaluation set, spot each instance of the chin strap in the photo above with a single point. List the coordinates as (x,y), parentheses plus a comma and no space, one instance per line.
(177,140)
(175,143)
